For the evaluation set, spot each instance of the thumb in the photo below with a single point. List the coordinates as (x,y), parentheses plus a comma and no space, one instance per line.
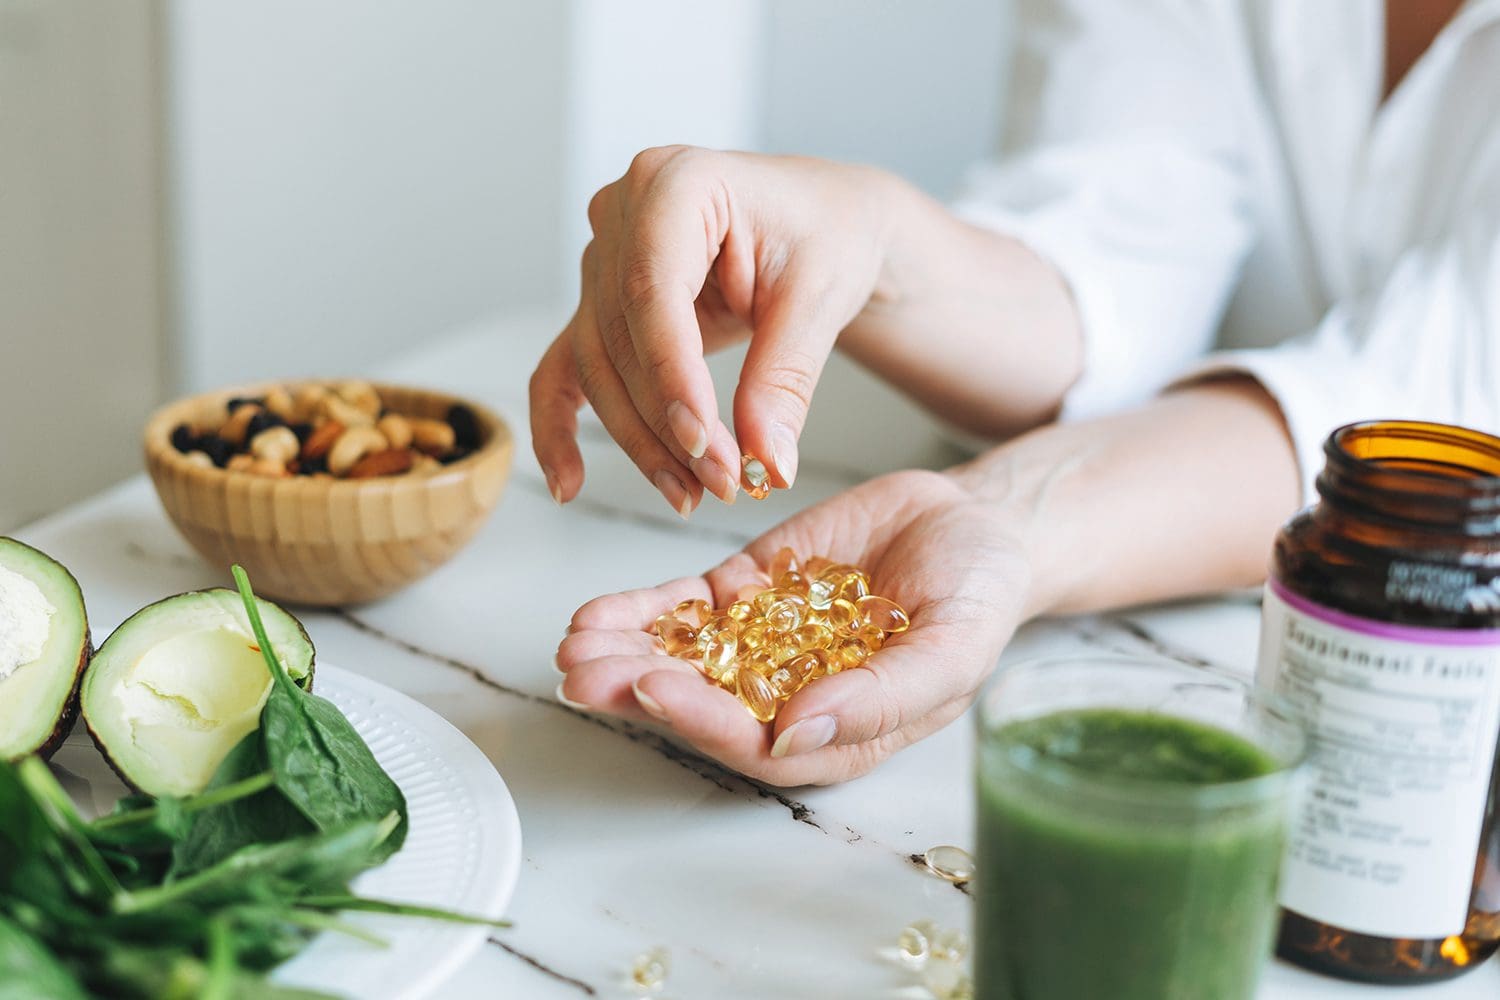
(895,687)
(785,359)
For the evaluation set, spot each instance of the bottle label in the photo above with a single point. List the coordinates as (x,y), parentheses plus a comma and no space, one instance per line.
(1404,723)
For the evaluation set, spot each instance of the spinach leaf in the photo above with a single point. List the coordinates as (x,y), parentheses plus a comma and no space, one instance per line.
(321,764)
(28,971)
(263,817)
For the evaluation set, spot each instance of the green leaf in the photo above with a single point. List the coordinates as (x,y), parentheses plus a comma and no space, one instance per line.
(364,904)
(218,832)
(28,971)
(321,763)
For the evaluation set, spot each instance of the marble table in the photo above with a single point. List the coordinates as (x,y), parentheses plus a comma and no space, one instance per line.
(631,841)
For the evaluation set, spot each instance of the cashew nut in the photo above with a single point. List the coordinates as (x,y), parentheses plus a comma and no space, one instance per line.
(396,428)
(306,403)
(336,408)
(353,445)
(238,423)
(361,395)
(275,444)
(435,437)
(279,402)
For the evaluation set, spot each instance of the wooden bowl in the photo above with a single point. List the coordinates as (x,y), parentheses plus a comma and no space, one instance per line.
(328,541)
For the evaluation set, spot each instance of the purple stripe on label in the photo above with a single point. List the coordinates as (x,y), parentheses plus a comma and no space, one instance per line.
(1385,630)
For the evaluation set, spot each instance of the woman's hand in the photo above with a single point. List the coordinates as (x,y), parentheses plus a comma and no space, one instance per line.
(694,250)
(946,557)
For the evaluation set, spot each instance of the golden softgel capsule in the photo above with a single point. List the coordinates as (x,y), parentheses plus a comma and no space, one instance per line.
(803,622)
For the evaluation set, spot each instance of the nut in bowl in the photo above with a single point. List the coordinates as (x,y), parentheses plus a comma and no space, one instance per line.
(328,491)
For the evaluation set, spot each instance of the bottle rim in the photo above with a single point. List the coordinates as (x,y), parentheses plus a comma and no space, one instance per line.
(1415,472)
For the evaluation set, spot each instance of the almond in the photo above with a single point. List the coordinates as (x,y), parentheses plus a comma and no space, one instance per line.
(321,439)
(390,462)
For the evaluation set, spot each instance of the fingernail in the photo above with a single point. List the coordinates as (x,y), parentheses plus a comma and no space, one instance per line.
(713,475)
(691,433)
(784,451)
(650,704)
(552,485)
(569,701)
(805,736)
(677,495)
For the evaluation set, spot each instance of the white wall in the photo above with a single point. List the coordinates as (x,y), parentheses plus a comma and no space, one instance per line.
(352,178)
(81,309)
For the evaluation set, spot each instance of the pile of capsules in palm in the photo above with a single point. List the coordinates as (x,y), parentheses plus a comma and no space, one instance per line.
(803,621)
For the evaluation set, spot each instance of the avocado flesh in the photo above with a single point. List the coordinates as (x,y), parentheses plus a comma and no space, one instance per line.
(43,652)
(179,683)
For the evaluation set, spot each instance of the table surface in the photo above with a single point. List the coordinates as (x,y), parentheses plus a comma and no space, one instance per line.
(631,841)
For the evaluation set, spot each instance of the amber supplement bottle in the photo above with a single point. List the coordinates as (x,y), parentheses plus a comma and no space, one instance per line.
(1382,622)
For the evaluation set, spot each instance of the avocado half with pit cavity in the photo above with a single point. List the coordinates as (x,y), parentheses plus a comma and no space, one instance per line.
(44,646)
(180,682)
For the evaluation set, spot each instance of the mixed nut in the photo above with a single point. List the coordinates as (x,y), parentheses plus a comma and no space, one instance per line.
(340,429)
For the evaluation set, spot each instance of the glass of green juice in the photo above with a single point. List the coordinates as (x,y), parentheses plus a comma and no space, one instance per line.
(1132,815)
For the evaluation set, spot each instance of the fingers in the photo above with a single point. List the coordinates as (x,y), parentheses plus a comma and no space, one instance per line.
(674,225)
(555,399)
(638,609)
(607,393)
(781,369)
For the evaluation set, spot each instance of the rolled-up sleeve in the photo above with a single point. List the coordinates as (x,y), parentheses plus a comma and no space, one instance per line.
(1122,167)
(1424,344)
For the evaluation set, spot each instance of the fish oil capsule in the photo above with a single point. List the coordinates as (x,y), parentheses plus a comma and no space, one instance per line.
(784,561)
(757,479)
(695,612)
(649,971)
(783,645)
(786,613)
(763,599)
(784,682)
(757,694)
(884,613)
(754,635)
(820,593)
(792,582)
(807,667)
(677,637)
(842,616)
(850,653)
(813,566)
(718,656)
(762,662)
(740,611)
(854,586)
(811,635)
(871,636)
(948,862)
(914,944)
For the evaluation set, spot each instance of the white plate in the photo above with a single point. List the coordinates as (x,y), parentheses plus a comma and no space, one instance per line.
(462,852)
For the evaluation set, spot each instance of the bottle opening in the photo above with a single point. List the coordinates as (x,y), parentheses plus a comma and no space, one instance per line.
(1421,474)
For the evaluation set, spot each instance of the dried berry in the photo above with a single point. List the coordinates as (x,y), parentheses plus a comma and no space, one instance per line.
(302,429)
(264,420)
(455,455)
(465,427)
(235,402)
(216,448)
(183,439)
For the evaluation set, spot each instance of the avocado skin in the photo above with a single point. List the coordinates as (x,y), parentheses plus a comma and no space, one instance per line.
(69,717)
(305,683)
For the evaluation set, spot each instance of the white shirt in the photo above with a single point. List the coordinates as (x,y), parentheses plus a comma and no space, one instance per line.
(1223,190)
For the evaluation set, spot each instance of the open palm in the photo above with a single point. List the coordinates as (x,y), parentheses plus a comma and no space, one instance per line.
(925,542)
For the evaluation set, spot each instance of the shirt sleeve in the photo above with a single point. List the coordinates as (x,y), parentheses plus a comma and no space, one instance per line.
(1422,345)
(1121,164)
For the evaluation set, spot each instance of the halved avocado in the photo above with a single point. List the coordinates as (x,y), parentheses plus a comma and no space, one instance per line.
(44,646)
(180,682)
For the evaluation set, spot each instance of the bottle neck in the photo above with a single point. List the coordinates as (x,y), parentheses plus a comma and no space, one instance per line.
(1414,477)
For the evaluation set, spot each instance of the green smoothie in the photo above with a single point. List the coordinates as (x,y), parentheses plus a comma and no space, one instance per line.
(1124,855)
